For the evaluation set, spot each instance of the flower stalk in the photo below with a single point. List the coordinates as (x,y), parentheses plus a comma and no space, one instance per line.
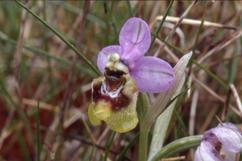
(143,143)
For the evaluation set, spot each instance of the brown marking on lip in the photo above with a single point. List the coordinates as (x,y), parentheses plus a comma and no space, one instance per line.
(117,103)
(212,138)
(113,81)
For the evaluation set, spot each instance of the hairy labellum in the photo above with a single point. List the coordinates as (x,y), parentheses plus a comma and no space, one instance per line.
(111,90)
(114,101)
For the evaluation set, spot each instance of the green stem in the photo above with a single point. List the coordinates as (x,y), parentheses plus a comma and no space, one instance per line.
(58,34)
(108,145)
(178,146)
(214,76)
(161,23)
(143,104)
(129,8)
(222,82)
(122,154)
(143,143)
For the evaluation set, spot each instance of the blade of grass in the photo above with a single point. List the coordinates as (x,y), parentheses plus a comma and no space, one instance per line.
(173,47)
(108,144)
(161,23)
(197,36)
(211,74)
(16,107)
(23,147)
(38,144)
(58,34)
(235,62)
(90,16)
(97,146)
(180,123)
(129,8)
(45,45)
(122,154)
(236,35)
(163,120)
(214,76)
(184,14)
(110,19)
(43,53)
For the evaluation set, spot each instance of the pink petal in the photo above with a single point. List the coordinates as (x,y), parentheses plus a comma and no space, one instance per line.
(206,152)
(103,55)
(230,137)
(152,74)
(134,38)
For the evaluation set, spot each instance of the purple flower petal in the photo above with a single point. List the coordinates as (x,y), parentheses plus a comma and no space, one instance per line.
(103,55)
(206,152)
(152,74)
(134,38)
(230,137)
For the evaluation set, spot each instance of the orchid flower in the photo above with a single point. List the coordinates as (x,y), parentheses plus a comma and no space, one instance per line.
(150,73)
(126,72)
(226,138)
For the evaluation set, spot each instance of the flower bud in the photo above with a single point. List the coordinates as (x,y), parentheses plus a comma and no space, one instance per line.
(220,144)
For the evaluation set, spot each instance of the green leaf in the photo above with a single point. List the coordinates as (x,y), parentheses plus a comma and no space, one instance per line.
(163,121)
(163,98)
(176,146)
(162,21)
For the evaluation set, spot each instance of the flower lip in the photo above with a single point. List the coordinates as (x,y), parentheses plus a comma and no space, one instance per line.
(120,101)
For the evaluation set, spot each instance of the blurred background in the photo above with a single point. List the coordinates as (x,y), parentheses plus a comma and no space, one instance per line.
(45,86)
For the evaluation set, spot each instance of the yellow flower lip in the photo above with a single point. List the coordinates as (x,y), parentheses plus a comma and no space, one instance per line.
(92,117)
(114,101)
(102,110)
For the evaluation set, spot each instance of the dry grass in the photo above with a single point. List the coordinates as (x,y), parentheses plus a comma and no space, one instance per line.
(36,66)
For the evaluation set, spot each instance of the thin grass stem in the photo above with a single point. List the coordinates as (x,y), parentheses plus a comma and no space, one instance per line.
(58,34)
